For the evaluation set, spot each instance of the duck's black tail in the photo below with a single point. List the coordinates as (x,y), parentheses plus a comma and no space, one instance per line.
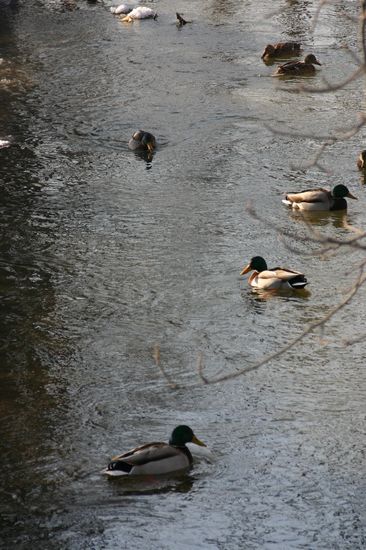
(120,465)
(299,281)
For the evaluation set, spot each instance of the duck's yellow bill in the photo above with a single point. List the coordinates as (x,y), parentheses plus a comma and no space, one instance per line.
(350,196)
(245,270)
(196,441)
(150,147)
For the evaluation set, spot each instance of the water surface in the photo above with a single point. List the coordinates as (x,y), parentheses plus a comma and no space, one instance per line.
(104,255)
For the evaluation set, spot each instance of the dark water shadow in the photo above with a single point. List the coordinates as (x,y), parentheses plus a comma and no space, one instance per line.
(151,485)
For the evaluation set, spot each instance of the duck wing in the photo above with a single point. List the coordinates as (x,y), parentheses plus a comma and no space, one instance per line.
(150,452)
(294,279)
(284,274)
(310,195)
(290,67)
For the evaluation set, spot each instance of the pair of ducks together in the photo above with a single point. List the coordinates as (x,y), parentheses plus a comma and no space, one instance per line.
(311,200)
(291,68)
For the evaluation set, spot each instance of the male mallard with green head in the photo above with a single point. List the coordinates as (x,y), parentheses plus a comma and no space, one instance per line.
(276,278)
(298,68)
(156,458)
(319,199)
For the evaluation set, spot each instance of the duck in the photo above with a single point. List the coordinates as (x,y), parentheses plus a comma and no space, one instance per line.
(281,49)
(122,9)
(319,199)
(361,161)
(157,457)
(298,68)
(180,20)
(276,278)
(140,12)
(142,141)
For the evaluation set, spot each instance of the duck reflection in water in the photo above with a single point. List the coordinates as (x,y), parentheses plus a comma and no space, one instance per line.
(152,485)
(339,219)
(262,295)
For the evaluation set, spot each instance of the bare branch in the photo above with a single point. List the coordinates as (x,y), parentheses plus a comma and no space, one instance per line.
(156,356)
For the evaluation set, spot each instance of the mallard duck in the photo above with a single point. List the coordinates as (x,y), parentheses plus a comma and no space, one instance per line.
(141,12)
(298,68)
(319,199)
(142,141)
(276,278)
(156,458)
(281,49)
(361,161)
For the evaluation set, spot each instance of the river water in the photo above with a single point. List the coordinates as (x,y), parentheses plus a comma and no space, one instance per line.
(105,254)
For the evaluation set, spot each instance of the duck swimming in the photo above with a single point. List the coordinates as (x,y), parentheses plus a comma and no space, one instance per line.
(298,68)
(319,199)
(141,12)
(276,278)
(142,141)
(156,458)
(281,49)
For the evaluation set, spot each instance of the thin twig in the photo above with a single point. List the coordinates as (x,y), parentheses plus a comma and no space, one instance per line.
(156,356)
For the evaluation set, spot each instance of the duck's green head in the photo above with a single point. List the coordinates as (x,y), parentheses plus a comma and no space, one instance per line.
(257,263)
(310,58)
(341,191)
(182,435)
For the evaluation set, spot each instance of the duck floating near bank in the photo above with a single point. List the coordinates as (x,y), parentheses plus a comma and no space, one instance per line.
(142,141)
(140,12)
(281,49)
(298,68)
(276,278)
(319,199)
(156,458)
(361,161)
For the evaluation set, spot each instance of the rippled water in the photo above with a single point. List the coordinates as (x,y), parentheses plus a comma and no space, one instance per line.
(105,255)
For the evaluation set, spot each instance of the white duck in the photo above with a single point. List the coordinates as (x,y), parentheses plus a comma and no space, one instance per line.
(140,12)
(122,9)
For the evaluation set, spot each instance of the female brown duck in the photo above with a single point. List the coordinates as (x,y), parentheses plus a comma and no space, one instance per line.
(281,49)
(298,68)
